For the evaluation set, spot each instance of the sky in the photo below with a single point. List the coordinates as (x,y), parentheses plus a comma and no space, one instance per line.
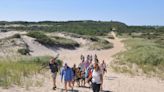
(131,12)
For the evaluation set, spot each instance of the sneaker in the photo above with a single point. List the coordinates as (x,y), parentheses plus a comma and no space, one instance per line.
(54,88)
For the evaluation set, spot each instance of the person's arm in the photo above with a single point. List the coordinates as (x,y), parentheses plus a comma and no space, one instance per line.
(62,73)
(105,67)
(56,57)
(101,78)
(72,74)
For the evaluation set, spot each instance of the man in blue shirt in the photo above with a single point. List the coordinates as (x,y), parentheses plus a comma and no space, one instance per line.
(67,74)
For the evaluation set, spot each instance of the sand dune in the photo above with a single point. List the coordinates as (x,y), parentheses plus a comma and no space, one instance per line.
(112,81)
(36,48)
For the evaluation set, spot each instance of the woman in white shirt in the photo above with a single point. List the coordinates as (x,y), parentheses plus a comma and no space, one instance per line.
(97,78)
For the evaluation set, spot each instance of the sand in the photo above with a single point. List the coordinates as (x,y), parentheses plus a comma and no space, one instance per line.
(113,82)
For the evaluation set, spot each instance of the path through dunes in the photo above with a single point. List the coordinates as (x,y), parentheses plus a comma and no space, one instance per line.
(112,81)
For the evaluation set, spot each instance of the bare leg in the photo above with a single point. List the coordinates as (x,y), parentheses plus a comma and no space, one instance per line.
(70,85)
(54,79)
(54,82)
(73,82)
(65,86)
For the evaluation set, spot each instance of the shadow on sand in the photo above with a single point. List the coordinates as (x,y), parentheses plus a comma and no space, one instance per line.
(62,90)
(110,78)
(74,90)
(106,91)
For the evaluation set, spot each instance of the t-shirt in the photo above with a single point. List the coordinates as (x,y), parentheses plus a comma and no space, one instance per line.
(96,77)
(67,74)
(87,64)
(82,66)
(78,73)
(53,67)
(74,71)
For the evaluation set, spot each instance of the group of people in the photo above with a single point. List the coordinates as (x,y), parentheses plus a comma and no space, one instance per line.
(90,71)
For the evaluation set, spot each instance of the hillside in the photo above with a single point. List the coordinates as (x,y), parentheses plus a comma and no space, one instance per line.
(79,27)
(83,27)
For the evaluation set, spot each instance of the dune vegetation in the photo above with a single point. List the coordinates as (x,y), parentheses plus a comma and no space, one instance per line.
(16,71)
(20,71)
(99,44)
(53,40)
(83,27)
(142,56)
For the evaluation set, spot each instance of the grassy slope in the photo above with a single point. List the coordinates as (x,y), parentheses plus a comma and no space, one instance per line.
(15,71)
(20,71)
(142,56)
(100,43)
(53,41)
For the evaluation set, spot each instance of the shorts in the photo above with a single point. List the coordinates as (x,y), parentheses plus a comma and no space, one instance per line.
(78,79)
(54,75)
(83,78)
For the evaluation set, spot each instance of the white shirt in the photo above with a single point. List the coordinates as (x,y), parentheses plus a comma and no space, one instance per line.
(96,77)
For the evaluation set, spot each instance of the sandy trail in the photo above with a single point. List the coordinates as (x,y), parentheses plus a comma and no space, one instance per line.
(113,82)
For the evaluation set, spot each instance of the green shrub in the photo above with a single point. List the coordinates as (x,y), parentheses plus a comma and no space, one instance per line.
(16,36)
(53,41)
(65,43)
(24,51)
(41,37)
(99,44)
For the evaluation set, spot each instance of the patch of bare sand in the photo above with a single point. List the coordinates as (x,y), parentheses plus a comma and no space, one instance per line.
(36,48)
(9,34)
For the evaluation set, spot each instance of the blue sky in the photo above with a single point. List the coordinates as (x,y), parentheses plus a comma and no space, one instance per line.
(131,12)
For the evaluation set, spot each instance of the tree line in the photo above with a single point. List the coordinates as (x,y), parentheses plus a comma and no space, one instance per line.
(85,27)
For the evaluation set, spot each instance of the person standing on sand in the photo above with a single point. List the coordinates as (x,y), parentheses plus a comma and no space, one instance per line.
(104,70)
(82,73)
(97,78)
(67,74)
(96,59)
(54,69)
(90,59)
(87,63)
(74,74)
(78,76)
(103,67)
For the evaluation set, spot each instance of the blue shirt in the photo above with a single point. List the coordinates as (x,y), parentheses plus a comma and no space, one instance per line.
(67,74)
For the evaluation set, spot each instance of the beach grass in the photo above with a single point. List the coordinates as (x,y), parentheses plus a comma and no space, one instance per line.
(16,71)
(141,57)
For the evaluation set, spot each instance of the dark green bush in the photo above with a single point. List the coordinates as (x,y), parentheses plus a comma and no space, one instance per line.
(24,51)
(41,37)
(16,36)
(53,41)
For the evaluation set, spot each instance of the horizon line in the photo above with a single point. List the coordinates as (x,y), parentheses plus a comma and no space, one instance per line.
(78,20)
